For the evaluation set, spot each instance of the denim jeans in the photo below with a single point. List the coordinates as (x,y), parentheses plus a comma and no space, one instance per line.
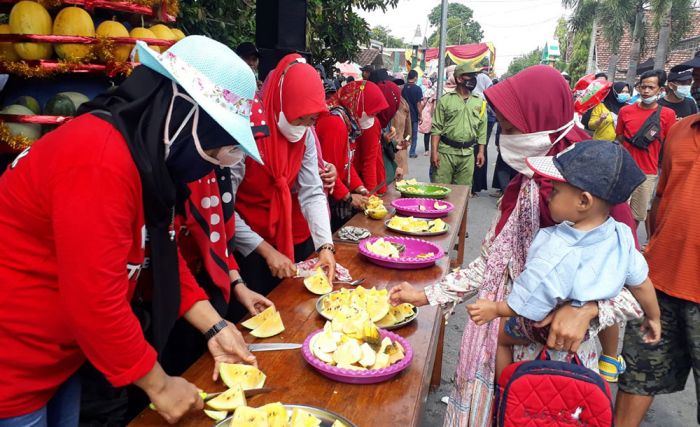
(63,410)
(414,138)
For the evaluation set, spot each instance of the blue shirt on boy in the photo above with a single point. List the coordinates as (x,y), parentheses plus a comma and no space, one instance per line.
(564,263)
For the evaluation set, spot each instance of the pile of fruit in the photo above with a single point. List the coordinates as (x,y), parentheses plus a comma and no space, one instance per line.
(417,225)
(318,283)
(375,208)
(348,308)
(358,349)
(29,17)
(383,247)
(61,104)
(266,324)
(275,415)
(237,378)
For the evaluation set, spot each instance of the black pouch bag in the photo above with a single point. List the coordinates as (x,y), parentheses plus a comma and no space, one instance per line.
(649,132)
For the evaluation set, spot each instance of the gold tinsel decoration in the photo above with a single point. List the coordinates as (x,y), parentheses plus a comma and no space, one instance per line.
(23,69)
(16,142)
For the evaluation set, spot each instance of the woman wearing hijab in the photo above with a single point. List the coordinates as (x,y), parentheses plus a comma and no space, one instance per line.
(389,145)
(603,119)
(79,209)
(293,96)
(536,112)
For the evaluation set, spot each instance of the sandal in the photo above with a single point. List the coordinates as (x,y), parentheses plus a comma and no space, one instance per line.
(610,368)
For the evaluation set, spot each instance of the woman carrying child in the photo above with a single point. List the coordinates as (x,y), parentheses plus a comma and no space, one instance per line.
(535,112)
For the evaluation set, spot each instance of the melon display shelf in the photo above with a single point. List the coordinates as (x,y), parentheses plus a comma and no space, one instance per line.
(163,13)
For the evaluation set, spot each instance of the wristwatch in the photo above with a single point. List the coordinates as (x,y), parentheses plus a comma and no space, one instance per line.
(237,282)
(221,324)
(328,246)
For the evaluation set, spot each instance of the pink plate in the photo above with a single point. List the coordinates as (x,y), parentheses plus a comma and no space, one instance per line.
(411,207)
(408,260)
(358,377)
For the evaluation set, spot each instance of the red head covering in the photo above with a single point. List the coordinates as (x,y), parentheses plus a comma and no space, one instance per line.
(534,100)
(359,96)
(392,94)
(264,198)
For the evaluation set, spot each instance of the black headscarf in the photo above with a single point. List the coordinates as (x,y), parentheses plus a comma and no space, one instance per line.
(138,109)
(611,102)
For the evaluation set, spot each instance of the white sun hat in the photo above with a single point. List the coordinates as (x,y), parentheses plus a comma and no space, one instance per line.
(215,77)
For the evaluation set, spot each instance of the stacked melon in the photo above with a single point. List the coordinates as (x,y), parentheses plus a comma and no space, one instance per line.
(266,324)
(275,415)
(318,283)
(359,304)
(237,378)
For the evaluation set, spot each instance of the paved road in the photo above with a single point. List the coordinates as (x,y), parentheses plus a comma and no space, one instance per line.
(676,410)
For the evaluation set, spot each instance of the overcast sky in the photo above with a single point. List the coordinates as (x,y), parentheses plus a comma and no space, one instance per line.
(514,26)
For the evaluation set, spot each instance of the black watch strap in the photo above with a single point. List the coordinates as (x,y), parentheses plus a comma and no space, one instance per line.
(221,324)
(237,282)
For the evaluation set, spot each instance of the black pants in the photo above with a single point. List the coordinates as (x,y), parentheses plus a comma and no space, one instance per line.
(426,142)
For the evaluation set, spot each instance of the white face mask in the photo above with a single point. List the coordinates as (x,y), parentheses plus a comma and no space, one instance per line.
(516,148)
(291,132)
(227,156)
(650,100)
(366,121)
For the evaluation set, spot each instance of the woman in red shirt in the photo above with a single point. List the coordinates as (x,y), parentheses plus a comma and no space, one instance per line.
(77,210)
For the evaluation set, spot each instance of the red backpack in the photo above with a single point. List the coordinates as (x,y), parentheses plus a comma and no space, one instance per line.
(548,393)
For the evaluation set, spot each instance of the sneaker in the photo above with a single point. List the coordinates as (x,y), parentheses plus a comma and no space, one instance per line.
(610,368)
(427,153)
(413,156)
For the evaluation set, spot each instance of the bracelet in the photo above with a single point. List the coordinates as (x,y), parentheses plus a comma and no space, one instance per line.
(238,281)
(221,324)
(328,246)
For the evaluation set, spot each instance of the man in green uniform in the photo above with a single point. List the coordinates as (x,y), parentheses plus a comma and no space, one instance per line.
(459,126)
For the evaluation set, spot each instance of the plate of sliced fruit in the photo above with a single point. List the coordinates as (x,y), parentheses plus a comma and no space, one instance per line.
(278,414)
(345,304)
(422,208)
(362,355)
(403,253)
(417,226)
(413,188)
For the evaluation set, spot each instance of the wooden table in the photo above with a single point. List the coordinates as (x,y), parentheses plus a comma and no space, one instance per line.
(457,220)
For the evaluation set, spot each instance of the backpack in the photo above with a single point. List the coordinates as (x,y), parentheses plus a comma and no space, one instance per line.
(544,392)
(649,132)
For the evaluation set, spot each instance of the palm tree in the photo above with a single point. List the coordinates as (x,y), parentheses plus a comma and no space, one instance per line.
(671,19)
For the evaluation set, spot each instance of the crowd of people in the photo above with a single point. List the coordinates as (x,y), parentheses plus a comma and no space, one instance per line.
(170,207)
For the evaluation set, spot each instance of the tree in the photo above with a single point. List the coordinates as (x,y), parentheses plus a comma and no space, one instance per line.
(561,33)
(383,34)
(228,21)
(579,54)
(672,20)
(521,62)
(461,26)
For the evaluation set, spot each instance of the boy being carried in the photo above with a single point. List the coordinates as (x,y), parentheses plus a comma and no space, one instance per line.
(588,256)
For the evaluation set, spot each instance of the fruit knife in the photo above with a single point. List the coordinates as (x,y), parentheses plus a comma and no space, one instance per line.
(273,346)
(209,396)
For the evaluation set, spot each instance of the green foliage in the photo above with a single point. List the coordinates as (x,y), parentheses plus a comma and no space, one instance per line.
(383,34)
(523,61)
(579,54)
(461,26)
(562,35)
(228,21)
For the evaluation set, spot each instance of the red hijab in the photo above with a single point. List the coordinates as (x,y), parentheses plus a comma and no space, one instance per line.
(359,96)
(538,99)
(392,94)
(264,198)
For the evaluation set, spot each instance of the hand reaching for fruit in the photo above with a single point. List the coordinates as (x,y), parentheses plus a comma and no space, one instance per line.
(228,346)
(251,300)
(405,292)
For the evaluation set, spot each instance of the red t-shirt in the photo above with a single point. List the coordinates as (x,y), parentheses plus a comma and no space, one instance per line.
(72,225)
(629,121)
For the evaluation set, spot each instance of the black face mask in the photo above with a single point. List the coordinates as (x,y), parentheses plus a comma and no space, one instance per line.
(469,84)
(184,162)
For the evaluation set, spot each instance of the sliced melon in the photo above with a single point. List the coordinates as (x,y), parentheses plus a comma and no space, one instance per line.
(302,418)
(388,320)
(228,400)
(407,309)
(348,353)
(276,414)
(338,423)
(377,307)
(381,361)
(369,357)
(246,376)
(397,313)
(259,319)
(270,327)
(326,342)
(318,283)
(216,415)
(245,416)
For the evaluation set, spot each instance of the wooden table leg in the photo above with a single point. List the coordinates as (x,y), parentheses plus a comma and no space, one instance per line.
(462,235)
(437,367)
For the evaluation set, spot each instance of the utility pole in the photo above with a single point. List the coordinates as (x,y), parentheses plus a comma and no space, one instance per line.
(441,55)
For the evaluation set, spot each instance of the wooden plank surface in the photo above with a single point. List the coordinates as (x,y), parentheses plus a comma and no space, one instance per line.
(398,401)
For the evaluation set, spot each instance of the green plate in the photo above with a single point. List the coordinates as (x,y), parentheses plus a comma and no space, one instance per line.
(424,190)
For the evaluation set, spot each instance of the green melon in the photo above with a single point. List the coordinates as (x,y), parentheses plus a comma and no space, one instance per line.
(30,130)
(29,102)
(59,105)
(77,98)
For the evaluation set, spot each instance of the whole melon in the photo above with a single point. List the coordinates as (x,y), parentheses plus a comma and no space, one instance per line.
(28,17)
(77,98)
(59,105)
(73,21)
(29,130)
(29,102)
(162,32)
(7,51)
(141,33)
(120,52)
(179,35)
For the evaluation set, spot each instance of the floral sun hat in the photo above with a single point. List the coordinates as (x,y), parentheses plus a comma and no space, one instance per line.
(215,77)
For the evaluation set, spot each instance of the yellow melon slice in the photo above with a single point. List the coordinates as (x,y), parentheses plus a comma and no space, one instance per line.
(245,416)
(386,321)
(377,307)
(245,376)
(395,352)
(276,414)
(397,313)
(228,400)
(259,319)
(381,361)
(348,353)
(407,309)
(302,418)
(439,206)
(369,357)
(338,423)
(216,415)
(270,327)
(318,283)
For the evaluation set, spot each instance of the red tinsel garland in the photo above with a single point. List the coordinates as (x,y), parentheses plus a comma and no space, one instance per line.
(48,38)
(34,119)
